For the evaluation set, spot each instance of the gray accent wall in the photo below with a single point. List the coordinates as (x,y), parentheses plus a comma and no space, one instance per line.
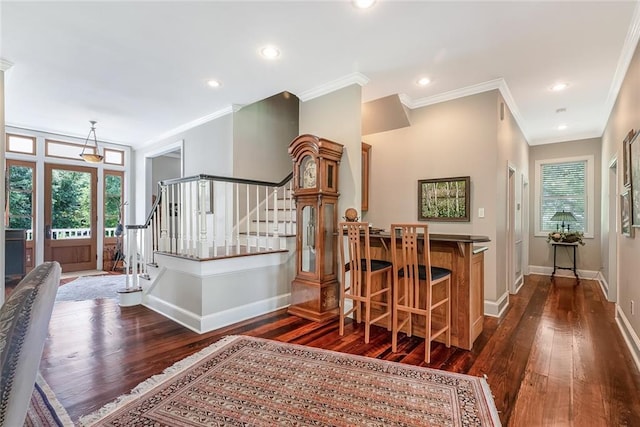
(261,135)
(207,149)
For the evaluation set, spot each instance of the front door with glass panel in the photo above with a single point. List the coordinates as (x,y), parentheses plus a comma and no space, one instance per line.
(20,204)
(70,217)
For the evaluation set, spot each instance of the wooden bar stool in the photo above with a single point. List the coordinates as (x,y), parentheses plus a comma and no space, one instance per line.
(358,266)
(415,292)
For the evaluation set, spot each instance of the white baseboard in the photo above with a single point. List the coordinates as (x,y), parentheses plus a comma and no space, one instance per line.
(604,285)
(179,315)
(202,324)
(546,271)
(244,312)
(629,335)
(496,308)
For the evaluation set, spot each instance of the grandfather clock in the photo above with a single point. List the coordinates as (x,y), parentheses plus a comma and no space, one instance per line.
(314,291)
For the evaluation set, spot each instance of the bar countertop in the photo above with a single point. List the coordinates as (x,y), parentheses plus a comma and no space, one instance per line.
(436,237)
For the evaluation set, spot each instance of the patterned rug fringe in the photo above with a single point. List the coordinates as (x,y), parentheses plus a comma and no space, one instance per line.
(490,397)
(49,410)
(148,384)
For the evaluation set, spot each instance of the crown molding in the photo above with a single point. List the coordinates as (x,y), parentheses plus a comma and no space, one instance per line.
(189,125)
(5,65)
(513,107)
(499,84)
(452,94)
(332,86)
(567,138)
(628,49)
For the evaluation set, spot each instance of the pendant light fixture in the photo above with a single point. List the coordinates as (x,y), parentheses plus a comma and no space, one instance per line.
(93,154)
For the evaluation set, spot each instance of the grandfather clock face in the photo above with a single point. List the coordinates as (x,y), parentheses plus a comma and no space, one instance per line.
(308,171)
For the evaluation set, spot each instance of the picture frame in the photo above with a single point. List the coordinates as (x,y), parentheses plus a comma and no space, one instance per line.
(634,164)
(444,199)
(626,159)
(625,214)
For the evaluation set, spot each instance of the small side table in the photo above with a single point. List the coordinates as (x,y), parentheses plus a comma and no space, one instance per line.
(555,263)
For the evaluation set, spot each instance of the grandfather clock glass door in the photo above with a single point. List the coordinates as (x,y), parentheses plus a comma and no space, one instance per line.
(308,228)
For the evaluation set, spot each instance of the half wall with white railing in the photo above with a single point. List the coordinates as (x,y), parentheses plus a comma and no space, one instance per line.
(205,217)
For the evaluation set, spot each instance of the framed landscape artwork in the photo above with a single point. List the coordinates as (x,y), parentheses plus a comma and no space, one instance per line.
(634,163)
(444,199)
(625,214)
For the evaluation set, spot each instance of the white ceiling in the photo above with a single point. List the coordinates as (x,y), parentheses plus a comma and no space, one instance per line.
(140,68)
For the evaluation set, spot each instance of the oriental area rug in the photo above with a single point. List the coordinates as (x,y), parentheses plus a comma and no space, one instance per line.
(244,381)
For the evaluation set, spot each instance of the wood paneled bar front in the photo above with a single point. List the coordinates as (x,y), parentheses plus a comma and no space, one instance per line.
(464,256)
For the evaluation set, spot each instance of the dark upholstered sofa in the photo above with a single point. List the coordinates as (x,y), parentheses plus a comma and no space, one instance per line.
(24,324)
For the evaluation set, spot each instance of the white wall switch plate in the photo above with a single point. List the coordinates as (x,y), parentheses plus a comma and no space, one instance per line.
(480,212)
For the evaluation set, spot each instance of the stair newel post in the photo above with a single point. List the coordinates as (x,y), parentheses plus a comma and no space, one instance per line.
(276,212)
(257,217)
(143,253)
(267,228)
(131,262)
(181,219)
(203,248)
(127,260)
(134,263)
(214,210)
(172,218)
(164,216)
(248,217)
(237,224)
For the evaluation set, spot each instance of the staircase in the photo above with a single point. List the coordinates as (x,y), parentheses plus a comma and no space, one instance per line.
(214,250)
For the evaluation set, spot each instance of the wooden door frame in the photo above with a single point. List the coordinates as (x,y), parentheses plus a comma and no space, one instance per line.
(48,168)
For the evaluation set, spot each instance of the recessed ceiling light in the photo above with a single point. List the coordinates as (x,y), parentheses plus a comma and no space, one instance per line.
(213,83)
(557,87)
(363,4)
(562,127)
(270,52)
(423,81)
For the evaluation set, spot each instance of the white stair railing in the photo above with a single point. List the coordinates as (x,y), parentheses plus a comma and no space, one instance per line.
(203,217)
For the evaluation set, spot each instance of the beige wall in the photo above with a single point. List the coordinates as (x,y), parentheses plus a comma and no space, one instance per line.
(454,138)
(624,116)
(337,117)
(540,253)
(513,153)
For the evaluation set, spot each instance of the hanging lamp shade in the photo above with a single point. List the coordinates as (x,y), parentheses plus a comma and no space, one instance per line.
(91,154)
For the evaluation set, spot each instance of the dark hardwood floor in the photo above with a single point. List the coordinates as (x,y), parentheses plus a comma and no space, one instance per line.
(555,358)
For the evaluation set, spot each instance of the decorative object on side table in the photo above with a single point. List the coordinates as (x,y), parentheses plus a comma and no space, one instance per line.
(566,237)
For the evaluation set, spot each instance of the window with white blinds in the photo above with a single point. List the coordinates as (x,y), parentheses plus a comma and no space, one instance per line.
(565,185)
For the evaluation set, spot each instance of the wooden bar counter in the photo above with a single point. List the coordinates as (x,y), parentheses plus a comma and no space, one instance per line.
(464,256)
